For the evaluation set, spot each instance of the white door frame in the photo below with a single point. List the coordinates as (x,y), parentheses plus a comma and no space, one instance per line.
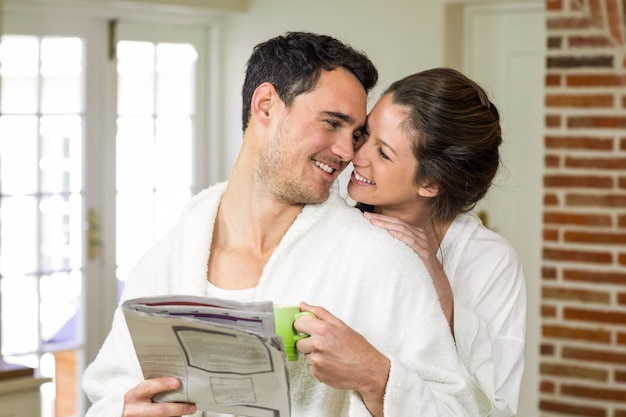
(460,54)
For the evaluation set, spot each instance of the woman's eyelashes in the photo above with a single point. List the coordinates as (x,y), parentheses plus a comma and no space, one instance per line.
(382,153)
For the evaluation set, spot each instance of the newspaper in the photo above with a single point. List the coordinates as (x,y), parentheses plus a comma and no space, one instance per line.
(226,353)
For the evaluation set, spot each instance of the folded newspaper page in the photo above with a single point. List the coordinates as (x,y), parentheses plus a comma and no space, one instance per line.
(226,354)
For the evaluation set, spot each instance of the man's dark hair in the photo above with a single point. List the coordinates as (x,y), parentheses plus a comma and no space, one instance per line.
(293,63)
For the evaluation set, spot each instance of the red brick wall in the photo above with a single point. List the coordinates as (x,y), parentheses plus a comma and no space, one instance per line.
(583,342)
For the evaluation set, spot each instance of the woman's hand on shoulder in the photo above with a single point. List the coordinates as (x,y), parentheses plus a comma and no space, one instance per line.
(414,237)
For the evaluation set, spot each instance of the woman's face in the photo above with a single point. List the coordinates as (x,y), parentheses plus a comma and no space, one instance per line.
(384,165)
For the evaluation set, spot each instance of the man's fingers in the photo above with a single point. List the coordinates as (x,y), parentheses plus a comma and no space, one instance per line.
(148,388)
(138,401)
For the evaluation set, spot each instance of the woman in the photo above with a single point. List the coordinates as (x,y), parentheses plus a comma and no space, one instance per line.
(429,154)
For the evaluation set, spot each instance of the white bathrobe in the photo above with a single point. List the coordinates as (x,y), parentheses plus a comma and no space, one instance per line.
(331,256)
(487,279)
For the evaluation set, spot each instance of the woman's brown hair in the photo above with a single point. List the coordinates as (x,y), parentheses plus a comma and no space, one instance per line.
(455,133)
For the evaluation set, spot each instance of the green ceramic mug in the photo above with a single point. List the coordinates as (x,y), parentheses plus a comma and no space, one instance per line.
(284,316)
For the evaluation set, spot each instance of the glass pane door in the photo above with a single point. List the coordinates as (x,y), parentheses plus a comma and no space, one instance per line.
(157,101)
(41,119)
(154,143)
(97,158)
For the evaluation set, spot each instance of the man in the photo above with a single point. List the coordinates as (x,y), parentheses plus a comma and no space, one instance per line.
(278,230)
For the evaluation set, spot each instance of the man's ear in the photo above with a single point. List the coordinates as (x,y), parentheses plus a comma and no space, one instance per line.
(264,99)
(428,190)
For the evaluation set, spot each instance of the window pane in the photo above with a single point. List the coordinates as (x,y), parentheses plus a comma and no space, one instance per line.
(154,143)
(60,153)
(18,150)
(61,229)
(135,68)
(175,67)
(61,61)
(135,153)
(18,235)
(173,151)
(19,69)
(134,227)
(19,299)
(60,301)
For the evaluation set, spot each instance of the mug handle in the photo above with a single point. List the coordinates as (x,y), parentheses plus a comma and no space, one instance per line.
(300,335)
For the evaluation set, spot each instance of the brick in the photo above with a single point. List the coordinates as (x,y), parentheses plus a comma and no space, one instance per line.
(556,369)
(620,376)
(548,311)
(567,408)
(579,142)
(621,182)
(550,200)
(570,294)
(546,349)
(607,394)
(551,235)
(554,5)
(589,200)
(622,144)
(577,256)
(600,122)
(553,80)
(597,277)
(595,316)
(590,355)
(615,21)
(579,334)
(572,181)
(553,120)
(599,238)
(552,161)
(582,41)
(621,338)
(613,163)
(568,23)
(577,5)
(576,219)
(595,10)
(548,272)
(547,387)
(554,42)
(621,258)
(575,62)
(621,298)
(594,80)
(579,100)
(619,413)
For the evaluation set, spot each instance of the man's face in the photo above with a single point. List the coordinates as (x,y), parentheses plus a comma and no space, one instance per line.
(312,140)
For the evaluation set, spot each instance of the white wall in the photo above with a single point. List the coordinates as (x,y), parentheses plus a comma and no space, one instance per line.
(400,37)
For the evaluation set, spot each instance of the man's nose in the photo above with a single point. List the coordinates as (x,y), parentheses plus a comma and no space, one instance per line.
(344,148)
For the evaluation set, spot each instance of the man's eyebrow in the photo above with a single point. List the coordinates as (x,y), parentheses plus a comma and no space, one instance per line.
(341,116)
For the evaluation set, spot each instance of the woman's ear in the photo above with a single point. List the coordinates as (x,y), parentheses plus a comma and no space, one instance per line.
(428,190)
(264,99)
